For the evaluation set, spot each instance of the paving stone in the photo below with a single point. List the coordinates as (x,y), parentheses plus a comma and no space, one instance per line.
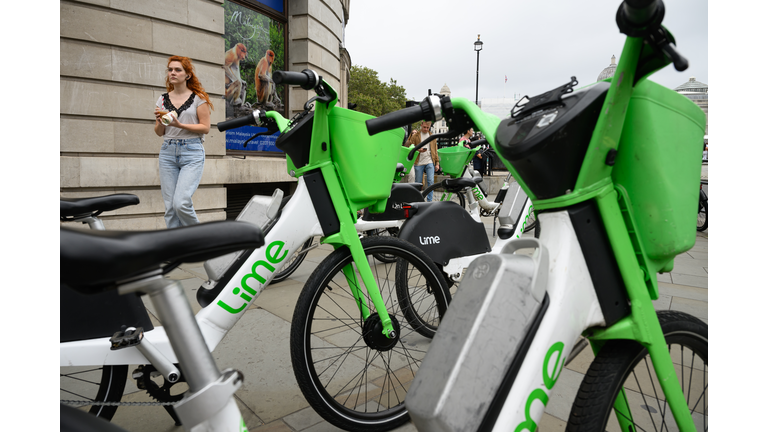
(563,394)
(275,426)
(549,423)
(697,308)
(664,277)
(663,303)
(258,346)
(689,292)
(323,427)
(303,419)
(695,281)
(689,267)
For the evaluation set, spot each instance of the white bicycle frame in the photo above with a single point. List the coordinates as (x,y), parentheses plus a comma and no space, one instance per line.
(457,265)
(297,224)
(573,307)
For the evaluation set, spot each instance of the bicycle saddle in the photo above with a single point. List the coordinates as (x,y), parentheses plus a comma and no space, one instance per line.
(80,206)
(93,261)
(456,185)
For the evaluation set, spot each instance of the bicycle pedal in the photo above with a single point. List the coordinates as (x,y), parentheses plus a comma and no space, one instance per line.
(126,337)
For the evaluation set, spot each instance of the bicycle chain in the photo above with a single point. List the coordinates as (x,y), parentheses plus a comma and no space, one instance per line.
(84,403)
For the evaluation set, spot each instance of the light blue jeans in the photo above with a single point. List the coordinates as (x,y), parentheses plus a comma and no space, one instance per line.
(419,171)
(181,168)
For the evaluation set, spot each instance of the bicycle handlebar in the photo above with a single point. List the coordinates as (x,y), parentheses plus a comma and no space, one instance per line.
(428,109)
(237,122)
(307,78)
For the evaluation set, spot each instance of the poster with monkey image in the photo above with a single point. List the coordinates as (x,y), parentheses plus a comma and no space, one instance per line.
(254,48)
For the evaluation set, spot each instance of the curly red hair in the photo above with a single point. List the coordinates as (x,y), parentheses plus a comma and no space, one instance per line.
(192,83)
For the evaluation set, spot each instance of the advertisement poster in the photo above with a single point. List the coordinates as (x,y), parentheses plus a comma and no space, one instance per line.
(254,49)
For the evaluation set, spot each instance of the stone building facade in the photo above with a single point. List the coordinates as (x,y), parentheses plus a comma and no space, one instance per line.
(113,57)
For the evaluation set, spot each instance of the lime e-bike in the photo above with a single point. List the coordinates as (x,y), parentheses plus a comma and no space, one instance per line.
(361,327)
(613,171)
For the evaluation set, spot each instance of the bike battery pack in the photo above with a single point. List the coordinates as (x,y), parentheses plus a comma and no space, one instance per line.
(512,208)
(401,193)
(473,355)
(260,211)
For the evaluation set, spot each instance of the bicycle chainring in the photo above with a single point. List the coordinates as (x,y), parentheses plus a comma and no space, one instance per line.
(157,392)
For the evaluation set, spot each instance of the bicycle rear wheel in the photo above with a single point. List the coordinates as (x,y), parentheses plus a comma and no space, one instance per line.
(623,370)
(94,384)
(293,263)
(386,232)
(351,374)
(440,194)
(701,222)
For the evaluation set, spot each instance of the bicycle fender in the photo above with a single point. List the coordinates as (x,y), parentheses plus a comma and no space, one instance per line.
(444,230)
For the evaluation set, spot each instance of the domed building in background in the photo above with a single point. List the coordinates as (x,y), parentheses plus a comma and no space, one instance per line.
(440,126)
(608,72)
(698,92)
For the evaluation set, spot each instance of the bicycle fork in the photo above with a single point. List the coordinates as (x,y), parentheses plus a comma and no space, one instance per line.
(642,325)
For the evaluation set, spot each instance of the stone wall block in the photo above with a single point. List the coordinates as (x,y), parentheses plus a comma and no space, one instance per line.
(78,22)
(151,200)
(154,223)
(136,138)
(85,60)
(170,10)
(105,100)
(299,27)
(83,135)
(118,172)
(335,7)
(69,172)
(331,18)
(205,15)
(195,44)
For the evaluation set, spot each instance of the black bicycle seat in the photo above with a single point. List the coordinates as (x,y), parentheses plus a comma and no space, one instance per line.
(93,261)
(81,206)
(455,185)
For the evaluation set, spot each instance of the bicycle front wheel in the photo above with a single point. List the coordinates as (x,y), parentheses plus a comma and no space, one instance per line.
(440,194)
(94,384)
(351,374)
(623,370)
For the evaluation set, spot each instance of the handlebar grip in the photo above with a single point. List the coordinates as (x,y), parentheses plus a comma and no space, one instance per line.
(394,120)
(236,123)
(307,78)
(640,12)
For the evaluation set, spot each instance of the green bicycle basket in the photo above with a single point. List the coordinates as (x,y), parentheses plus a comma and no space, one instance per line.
(366,164)
(659,165)
(453,159)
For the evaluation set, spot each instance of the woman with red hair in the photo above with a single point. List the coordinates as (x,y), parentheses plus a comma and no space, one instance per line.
(182,155)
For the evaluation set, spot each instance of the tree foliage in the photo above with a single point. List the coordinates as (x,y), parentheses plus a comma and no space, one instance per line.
(373,96)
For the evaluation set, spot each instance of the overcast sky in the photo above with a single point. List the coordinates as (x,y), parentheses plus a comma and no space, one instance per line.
(538,45)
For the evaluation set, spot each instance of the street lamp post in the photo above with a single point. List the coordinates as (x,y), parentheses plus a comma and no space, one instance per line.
(478,48)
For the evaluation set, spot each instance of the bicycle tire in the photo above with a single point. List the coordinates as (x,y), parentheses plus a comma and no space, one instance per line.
(97,384)
(328,344)
(703,218)
(626,364)
(438,191)
(387,232)
(293,263)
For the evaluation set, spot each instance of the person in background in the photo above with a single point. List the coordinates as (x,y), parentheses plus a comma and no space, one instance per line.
(428,159)
(182,156)
(478,163)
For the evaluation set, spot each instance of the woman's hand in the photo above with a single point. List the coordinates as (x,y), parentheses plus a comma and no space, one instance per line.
(159,114)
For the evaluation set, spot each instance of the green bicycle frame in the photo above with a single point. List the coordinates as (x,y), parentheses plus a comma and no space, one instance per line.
(321,157)
(595,182)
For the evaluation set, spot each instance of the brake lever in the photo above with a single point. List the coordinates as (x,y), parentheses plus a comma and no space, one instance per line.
(660,38)
(271,129)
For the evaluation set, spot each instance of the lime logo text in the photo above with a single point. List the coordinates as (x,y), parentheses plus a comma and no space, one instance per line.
(247,293)
(550,374)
